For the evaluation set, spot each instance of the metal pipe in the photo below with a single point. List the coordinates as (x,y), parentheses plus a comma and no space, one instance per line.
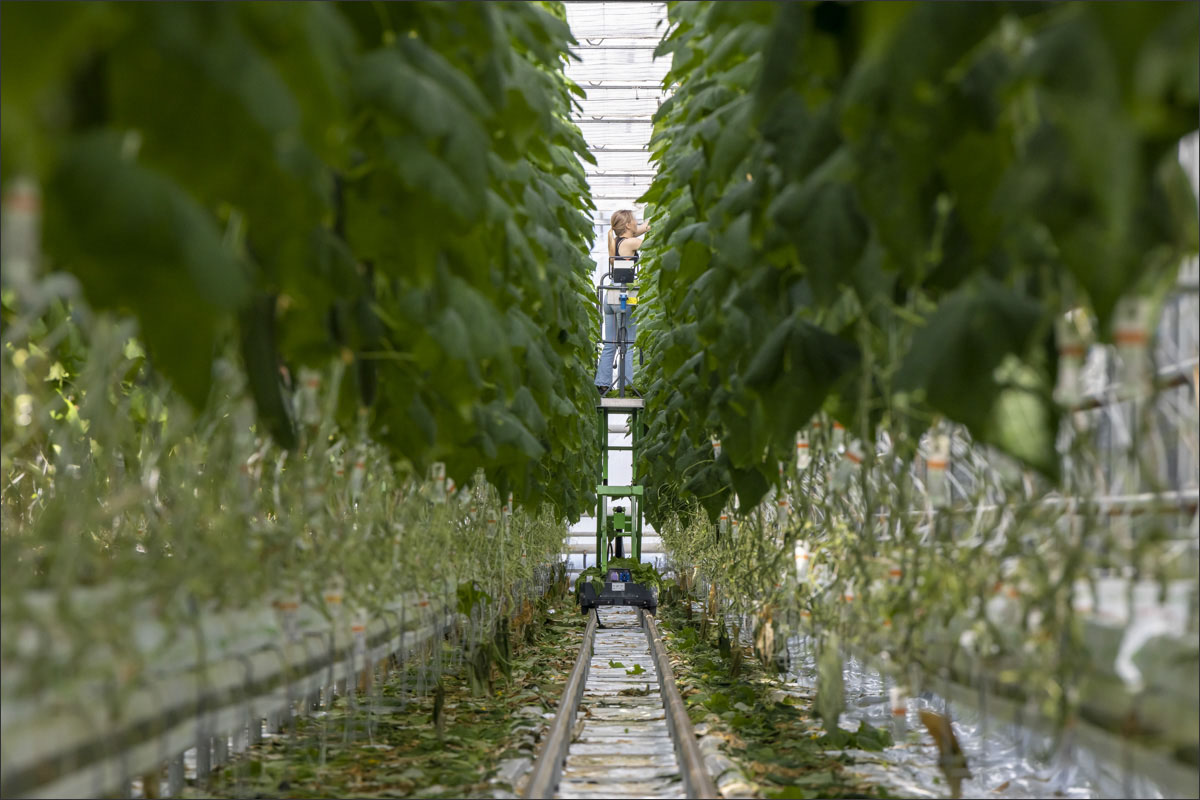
(544,780)
(595,119)
(635,434)
(696,780)
(649,87)
(586,549)
(622,347)
(593,47)
(1184,501)
(1169,378)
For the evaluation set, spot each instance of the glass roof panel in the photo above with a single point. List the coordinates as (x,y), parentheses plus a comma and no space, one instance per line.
(609,161)
(614,129)
(617,102)
(623,82)
(617,20)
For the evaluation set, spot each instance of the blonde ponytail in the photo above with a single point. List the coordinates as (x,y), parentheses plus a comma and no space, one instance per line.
(622,220)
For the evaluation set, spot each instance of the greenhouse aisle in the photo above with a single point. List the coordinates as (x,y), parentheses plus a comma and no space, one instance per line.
(624,89)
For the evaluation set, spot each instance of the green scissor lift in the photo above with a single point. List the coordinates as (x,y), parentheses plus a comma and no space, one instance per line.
(618,587)
(628,523)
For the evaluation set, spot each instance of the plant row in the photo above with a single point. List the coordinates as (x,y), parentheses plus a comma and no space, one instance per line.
(883,211)
(886,239)
(398,187)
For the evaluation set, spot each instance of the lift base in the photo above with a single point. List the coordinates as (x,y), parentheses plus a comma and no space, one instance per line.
(631,594)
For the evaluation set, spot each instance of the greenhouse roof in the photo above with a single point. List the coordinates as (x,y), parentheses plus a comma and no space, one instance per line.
(623,82)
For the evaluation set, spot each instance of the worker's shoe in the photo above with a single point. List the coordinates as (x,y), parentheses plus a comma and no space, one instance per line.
(603,390)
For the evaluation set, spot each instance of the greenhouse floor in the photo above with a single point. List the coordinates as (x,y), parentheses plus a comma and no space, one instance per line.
(386,742)
(391,746)
(760,732)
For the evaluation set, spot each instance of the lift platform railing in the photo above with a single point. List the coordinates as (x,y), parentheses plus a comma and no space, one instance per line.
(617,287)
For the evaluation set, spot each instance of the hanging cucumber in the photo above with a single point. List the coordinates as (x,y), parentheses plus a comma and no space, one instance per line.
(370,334)
(363,326)
(261,357)
(336,323)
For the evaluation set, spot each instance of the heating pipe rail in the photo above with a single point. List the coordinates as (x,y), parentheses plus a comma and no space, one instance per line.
(622,728)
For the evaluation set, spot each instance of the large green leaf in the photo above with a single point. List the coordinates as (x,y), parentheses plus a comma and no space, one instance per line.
(139,243)
(967,363)
(184,78)
(822,217)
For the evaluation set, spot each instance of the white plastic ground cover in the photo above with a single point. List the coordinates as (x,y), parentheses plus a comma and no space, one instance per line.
(1006,759)
(87,739)
(1011,753)
(314,673)
(87,753)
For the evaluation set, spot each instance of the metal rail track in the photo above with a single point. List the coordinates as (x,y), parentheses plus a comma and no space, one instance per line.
(616,733)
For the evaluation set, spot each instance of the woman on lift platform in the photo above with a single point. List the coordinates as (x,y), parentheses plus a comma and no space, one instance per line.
(624,240)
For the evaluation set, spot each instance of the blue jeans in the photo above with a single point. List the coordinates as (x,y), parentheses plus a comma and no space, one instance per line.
(604,373)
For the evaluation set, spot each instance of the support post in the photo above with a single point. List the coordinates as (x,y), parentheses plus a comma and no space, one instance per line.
(203,756)
(256,729)
(621,347)
(220,750)
(635,433)
(636,534)
(175,776)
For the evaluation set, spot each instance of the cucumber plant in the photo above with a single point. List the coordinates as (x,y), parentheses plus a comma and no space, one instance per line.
(315,251)
(869,220)
(396,186)
(842,225)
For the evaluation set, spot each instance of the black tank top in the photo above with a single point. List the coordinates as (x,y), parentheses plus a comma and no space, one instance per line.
(617,250)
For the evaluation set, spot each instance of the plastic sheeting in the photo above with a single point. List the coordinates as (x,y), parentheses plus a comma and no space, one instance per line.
(1005,760)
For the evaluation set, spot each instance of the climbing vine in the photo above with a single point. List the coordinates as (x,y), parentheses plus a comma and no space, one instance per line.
(296,310)
(885,236)
(396,186)
(880,212)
